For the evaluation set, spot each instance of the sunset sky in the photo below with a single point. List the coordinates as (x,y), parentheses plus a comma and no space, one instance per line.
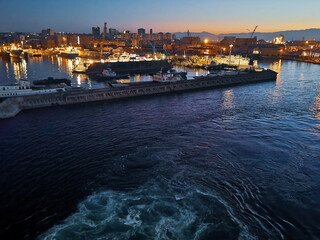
(227,16)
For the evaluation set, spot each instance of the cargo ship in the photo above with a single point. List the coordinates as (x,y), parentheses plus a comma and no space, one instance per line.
(10,107)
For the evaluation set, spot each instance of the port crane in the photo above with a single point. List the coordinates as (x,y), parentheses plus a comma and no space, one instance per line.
(254,30)
(154,50)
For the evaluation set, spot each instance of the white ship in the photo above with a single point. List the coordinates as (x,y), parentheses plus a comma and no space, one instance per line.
(24,89)
(234,60)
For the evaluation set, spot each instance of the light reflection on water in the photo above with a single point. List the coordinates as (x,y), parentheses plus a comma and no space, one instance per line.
(226,157)
(228,99)
(316,108)
(37,68)
(276,66)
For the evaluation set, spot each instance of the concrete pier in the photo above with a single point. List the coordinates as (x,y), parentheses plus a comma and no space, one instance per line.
(10,107)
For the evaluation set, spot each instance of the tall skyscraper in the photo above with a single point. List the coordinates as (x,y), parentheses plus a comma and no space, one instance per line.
(96,31)
(105,30)
(151,31)
(141,31)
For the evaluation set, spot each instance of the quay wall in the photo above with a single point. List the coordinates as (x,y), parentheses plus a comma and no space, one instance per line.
(12,106)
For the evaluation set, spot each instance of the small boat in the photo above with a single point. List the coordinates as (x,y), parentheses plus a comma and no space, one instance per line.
(171,76)
(108,74)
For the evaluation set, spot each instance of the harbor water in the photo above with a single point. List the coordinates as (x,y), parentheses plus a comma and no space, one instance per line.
(241,162)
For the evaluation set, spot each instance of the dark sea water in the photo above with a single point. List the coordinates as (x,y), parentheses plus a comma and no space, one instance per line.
(240,162)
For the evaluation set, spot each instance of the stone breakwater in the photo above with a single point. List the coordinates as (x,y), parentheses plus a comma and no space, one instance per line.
(10,107)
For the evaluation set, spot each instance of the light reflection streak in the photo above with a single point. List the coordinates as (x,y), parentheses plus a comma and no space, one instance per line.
(20,69)
(276,66)
(79,80)
(228,99)
(82,79)
(7,69)
(60,64)
(301,76)
(316,109)
(69,68)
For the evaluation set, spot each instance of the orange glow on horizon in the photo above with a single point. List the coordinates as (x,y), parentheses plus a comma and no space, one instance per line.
(228,27)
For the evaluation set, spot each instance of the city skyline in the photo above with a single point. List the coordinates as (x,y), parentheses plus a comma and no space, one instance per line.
(165,16)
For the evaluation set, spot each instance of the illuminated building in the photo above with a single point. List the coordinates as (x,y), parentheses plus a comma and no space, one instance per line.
(279,40)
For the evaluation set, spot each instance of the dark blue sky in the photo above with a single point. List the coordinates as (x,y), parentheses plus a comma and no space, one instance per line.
(222,16)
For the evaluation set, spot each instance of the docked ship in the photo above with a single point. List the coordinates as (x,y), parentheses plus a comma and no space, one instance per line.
(125,63)
(234,60)
(132,67)
(70,53)
(23,88)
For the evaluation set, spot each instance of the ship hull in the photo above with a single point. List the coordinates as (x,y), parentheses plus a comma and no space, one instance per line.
(131,67)
(69,55)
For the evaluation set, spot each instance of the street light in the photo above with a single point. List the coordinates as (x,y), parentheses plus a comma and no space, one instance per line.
(231,46)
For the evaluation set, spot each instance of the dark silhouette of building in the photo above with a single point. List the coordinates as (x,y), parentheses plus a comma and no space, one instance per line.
(141,31)
(193,41)
(244,45)
(47,33)
(96,31)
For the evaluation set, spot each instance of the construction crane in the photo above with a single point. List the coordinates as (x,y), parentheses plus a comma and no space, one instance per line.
(154,50)
(254,30)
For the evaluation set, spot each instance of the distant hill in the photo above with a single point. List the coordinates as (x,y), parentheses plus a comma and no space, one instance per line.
(307,34)
(202,35)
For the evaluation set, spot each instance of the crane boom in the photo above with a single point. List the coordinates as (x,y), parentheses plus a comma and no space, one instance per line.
(254,30)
